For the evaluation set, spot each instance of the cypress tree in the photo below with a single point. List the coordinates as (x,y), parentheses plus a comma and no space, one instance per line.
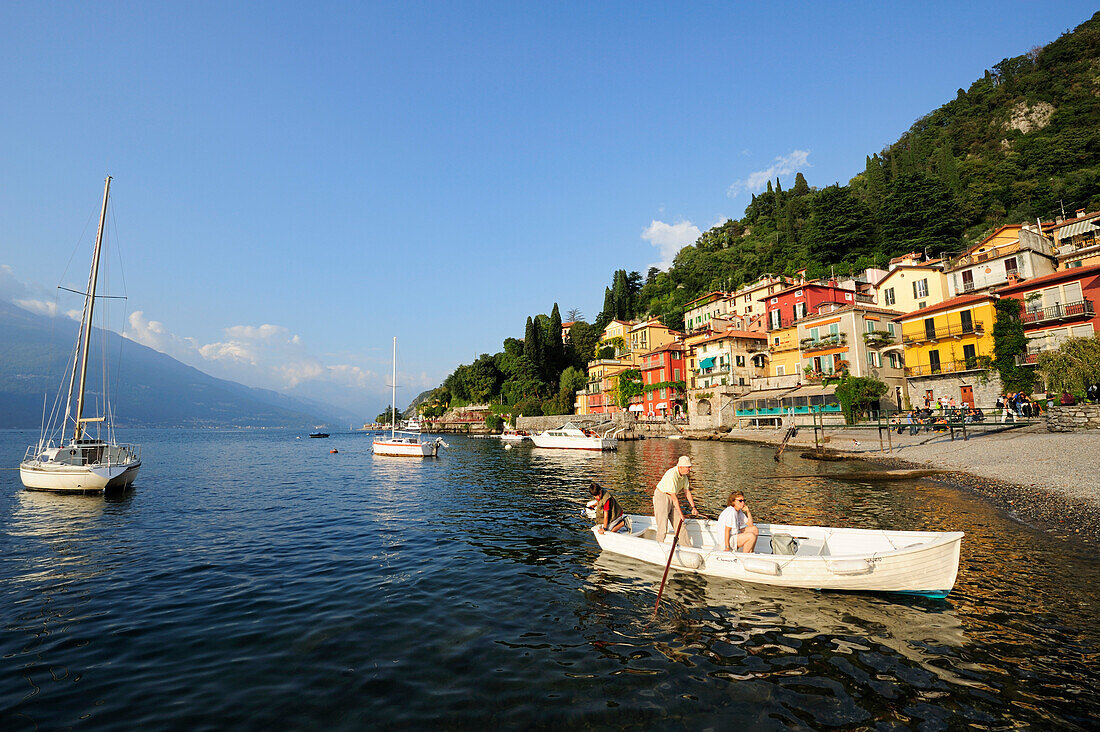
(801,188)
(554,347)
(532,344)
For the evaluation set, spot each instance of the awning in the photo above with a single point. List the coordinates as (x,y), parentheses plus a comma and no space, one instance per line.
(636,408)
(1068,232)
(707,362)
(662,405)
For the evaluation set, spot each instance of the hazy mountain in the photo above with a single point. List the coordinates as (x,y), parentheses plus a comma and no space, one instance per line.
(147,387)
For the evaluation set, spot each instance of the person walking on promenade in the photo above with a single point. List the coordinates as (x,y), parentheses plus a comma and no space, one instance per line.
(666,500)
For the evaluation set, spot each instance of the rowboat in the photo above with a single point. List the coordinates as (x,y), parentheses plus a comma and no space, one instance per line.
(571,437)
(862,560)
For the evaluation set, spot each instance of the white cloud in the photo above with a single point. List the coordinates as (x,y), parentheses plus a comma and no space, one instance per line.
(670,239)
(271,357)
(784,165)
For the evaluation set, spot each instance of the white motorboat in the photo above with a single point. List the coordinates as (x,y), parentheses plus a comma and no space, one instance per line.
(862,560)
(514,436)
(412,425)
(81,463)
(403,443)
(571,437)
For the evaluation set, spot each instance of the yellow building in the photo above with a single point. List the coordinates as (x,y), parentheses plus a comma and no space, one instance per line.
(910,287)
(783,351)
(945,347)
(649,335)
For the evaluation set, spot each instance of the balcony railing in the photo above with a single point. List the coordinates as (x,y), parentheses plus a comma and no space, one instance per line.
(829,341)
(944,367)
(878,338)
(1061,311)
(785,344)
(948,331)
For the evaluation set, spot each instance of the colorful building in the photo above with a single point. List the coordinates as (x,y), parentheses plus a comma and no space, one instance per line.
(1011,253)
(1057,307)
(663,381)
(861,339)
(750,300)
(1077,240)
(910,286)
(788,306)
(946,349)
(784,358)
(699,312)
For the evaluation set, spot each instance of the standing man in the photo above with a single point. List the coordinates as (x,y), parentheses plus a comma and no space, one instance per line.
(666,500)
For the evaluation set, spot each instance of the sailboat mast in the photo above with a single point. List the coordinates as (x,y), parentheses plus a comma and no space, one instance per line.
(393,404)
(89,305)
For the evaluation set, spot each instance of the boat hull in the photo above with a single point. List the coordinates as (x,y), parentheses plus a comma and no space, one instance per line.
(77,478)
(860,560)
(406,449)
(597,444)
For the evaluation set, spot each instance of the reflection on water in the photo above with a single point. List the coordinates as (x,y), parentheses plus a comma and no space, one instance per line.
(259,580)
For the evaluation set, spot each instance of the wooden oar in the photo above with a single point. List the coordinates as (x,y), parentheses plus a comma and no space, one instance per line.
(783,445)
(675,538)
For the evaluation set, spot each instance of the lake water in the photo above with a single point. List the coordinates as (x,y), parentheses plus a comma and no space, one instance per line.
(254,580)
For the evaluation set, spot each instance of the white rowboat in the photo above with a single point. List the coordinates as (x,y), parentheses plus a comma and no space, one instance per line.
(861,560)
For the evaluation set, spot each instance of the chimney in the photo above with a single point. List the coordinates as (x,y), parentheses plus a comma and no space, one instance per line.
(1079,212)
(1013,279)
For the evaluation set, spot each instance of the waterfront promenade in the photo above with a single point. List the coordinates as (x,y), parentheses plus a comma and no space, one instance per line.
(1049,479)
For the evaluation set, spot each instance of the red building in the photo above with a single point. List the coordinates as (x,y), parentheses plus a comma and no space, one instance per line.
(663,367)
(1057,306)
(788,306)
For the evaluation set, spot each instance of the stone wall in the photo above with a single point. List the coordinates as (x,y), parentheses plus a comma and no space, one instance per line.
(1078,418)
(591,421)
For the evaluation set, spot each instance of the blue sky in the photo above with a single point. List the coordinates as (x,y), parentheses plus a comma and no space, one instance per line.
(295,184)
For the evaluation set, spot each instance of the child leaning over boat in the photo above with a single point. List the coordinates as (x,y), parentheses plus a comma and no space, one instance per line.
(609,515)
(736,521)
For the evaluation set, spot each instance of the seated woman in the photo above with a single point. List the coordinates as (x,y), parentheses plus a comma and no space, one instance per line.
(738,530)
(609,515)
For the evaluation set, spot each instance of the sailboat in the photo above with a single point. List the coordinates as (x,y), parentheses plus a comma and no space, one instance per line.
(81,462)
(404,443)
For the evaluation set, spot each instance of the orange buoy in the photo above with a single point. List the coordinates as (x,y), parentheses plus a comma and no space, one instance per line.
(333,450)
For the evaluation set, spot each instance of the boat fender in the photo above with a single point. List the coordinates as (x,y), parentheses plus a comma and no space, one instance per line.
(690,560)
(507,447)
(849,567)
(760,566)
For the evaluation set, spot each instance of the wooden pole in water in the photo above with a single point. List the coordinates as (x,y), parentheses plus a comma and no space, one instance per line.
(675,538)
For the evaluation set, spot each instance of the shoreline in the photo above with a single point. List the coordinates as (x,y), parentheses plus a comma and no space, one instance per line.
(1058,496)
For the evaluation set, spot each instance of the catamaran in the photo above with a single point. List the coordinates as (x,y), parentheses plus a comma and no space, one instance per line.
(81,462)
(404,443)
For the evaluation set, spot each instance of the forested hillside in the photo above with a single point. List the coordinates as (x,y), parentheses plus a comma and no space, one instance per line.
(1023,142)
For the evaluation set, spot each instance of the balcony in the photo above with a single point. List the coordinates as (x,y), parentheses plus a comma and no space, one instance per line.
(945,367)
(948,331)
(1061,311)
(878,338)
(820,344)
(785,344)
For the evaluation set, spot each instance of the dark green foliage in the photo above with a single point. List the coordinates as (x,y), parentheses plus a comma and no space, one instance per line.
(629,386)
(840,227)
(919,214)
(389,416)
(494,422)
(857,394)
(1009,342)
(532,344)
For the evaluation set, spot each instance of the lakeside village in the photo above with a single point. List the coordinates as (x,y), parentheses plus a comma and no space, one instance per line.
(772,352)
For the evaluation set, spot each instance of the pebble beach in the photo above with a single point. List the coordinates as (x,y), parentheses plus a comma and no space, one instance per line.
(1050,480)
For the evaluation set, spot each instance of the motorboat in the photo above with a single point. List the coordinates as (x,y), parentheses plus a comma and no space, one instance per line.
(863,560)
(80,461)
(404,443)
(318,434)
(515,436)
(571,437)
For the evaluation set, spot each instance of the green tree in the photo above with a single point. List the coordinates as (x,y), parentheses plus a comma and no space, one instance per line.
(532,344)
(840,226)
(857,394)
(555,350)
(1073,366)
(919,213)
(1009,342)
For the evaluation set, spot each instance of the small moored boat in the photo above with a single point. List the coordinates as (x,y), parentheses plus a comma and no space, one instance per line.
(571,437)
(862,560)
(515,436)
(318,434)
(404,443)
